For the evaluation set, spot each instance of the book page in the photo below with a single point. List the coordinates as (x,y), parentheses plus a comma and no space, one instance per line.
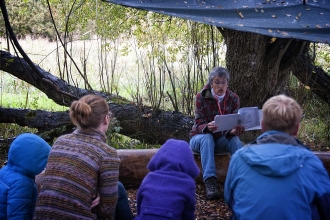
(259,126)
(226,122)
(251,117)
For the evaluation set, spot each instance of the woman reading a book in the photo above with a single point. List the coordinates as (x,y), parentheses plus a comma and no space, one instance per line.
(214,99)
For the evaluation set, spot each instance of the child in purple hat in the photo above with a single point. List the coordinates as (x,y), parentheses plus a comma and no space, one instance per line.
(168,190)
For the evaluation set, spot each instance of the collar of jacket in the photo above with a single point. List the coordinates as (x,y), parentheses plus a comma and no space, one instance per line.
(206,92)
(274,136)
(91,132)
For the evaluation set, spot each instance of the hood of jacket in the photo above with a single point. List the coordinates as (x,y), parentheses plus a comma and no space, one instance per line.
(206,91)
(28,154)
(174,155)
(275,154)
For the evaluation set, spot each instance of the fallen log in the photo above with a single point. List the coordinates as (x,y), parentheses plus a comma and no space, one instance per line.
(325,158)
(133,167)
(146,125)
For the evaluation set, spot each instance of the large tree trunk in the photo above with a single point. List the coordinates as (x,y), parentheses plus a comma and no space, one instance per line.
(260,66)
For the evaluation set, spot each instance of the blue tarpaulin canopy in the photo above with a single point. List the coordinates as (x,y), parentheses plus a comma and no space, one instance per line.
(306,20)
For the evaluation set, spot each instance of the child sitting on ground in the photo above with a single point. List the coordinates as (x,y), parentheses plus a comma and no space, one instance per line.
(27,157)
(168,190)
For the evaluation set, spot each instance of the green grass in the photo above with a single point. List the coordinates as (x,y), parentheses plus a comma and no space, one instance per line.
(32,101)
(315,134)
(9,131)
(315,126)
(12,130)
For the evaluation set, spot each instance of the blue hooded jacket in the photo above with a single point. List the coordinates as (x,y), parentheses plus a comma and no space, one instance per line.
(168,190)
(27,157)
(277,178)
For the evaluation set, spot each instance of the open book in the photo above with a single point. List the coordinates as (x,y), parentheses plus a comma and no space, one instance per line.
(249,117)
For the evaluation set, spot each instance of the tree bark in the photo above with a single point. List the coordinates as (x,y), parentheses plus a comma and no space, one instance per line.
(260,66)
(153,128)
(312,76)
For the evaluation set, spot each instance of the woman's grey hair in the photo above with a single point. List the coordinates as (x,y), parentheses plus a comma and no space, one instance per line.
(218,71)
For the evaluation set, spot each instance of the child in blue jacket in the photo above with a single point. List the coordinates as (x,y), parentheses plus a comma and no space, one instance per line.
(27,157)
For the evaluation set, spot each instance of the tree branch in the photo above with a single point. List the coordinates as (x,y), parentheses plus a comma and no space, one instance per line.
(145,124)
(313,76)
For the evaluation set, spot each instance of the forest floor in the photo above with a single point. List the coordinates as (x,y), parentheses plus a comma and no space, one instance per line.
(205,209)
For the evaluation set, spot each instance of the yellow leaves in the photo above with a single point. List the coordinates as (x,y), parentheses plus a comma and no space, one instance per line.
(240,14)
(148,115)
(298,16)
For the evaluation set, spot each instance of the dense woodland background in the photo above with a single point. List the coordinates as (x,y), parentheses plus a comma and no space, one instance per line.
(149,67)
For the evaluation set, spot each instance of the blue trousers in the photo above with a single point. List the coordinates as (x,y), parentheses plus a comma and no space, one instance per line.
(123,210)
(206,146)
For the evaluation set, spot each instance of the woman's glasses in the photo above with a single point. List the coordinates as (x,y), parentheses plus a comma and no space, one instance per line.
(220,82)
(109,115)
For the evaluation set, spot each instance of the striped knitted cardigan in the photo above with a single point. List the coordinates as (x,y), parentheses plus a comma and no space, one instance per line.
(80,165)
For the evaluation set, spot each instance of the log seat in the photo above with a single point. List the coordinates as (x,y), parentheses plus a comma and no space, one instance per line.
(133,167)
